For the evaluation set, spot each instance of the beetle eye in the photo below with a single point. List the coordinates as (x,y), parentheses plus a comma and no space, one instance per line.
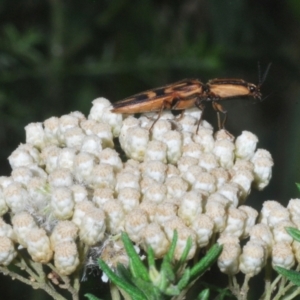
(252,88)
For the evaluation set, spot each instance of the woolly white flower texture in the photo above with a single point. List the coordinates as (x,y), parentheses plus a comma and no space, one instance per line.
(69,187)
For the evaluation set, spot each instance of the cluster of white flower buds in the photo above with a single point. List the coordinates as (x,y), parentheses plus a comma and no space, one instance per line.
(69,187)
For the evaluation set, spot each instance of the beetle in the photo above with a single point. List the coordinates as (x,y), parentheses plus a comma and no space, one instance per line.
(187,93)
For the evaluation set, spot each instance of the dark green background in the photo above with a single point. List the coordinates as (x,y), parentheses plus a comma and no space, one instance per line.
(57,56)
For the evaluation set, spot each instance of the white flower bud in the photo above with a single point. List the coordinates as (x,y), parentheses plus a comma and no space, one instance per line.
(60,178)
(294,208)
(244,179)
(6,230)
(23,223)
(3,205)
(50,156)
(172,171)
(206,182)
(136,143)
(253,258)
(79,115)
(222,135)
(129,198)
(51,127)
(245,145)
(114,216)
(165,211)
(113,119)
(263,164)
(251,218)
(185,162)
(192,173)
(154,237)
(217,212)
(126,179)
(74,137)
(20,158)
(111,157)
(173,140)
(235,224)
(129,122)
(208,161)
(79,193)
(38,245)
(7,251)
(155,169)
(204,137)
(203,226)
(145,183)
(102,195)
(224,151)
(103,176)
(192,150)
(230,191)
(62,203)
(160,128)
(280,234)
(190,207)
(176,187)
(221,175)
(91,144)
(35,134)
(66,258)
(88,125)
(104,132)
(80,210)
(228,261)
(187,138)
(261,232)
(84,167)
(277,216)
(92,227)
(156,150)
(267,208)
(16,197)
(38,192)
(216,197)
(22,175)
(282,255)
(156,192)
(64,231)
(135,222)
(149,207)
(187,123)
(5,181)
(97,110)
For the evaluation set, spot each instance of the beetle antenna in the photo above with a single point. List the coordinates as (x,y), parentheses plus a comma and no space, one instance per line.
(262,80)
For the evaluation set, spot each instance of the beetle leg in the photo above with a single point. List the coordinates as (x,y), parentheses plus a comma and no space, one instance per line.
(219,108)
(199,103)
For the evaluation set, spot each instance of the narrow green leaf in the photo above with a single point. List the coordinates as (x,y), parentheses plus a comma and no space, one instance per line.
(186,251)
(184,280)
(136,265)
(148,289)
(204,295)
(210,257)
(291,275)
(124,273)
(172,291)
(167,268)
(294,233)
(150,257)
(128,288)
(172,248)
(298,186)
(91,297)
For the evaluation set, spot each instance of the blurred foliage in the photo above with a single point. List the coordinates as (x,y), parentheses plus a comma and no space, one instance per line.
(57,56)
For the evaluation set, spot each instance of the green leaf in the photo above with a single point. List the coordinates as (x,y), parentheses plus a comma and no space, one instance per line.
(148,289)
(184,280)
(91,297)
(186,251)
(172,248)
(150,257)
(204,295)
(136,265)
(167,268)
(205,263)
(294,233)
(298,186)
(291,275)
(130,289)
(124,273)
